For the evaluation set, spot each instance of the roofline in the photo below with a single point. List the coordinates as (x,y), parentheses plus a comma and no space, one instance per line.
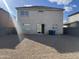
(74,14)
(40,6)
(4,10)
(71,23)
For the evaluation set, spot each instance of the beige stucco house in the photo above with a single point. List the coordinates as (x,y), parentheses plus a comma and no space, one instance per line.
(5,19)
(73,24)
(73,17)
(6,22)
(40,19)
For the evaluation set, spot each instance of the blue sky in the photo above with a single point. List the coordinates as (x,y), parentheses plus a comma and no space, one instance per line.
(70,6)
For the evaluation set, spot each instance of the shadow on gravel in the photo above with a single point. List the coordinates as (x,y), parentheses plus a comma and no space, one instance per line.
(9,41)
(62,43)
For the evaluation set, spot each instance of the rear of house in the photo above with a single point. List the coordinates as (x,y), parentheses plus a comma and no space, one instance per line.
(40,19)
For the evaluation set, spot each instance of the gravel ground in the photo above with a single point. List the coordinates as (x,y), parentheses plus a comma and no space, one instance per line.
(39,47)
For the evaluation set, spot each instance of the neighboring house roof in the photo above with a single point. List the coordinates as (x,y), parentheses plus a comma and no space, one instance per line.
(74,14)
(5,18)
(41,7)
(3,10)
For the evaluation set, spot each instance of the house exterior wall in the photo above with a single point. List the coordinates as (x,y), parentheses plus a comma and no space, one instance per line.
(6,24)
(49,18)
(73,18)
(72,29)
(5,19)
(72,25)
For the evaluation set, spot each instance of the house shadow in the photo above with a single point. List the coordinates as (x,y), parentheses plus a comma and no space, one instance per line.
(62,43)
(9,41)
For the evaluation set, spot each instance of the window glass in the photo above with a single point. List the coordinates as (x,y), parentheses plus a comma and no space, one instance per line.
(24,13)
(27,26)
(21,13)
(38,27)
(55,27)
(40,11)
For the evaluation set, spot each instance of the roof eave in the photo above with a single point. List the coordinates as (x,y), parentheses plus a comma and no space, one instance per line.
(40,6)
(73,14)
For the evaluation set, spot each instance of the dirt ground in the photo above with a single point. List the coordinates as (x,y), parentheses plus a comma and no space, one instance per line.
(39,47)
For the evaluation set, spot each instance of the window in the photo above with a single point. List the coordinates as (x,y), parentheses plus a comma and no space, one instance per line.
(24,13)
(40,11)
(55,26)
(27,26)
(39,28)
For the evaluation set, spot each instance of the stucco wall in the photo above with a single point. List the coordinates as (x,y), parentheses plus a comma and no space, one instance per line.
(6,24)
(49,18)
(5,19)
(73,18)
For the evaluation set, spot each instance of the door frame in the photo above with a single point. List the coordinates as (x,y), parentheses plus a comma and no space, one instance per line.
(43,28)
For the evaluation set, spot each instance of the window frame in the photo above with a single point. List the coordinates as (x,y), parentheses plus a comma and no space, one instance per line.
(24,13)
(27,27)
